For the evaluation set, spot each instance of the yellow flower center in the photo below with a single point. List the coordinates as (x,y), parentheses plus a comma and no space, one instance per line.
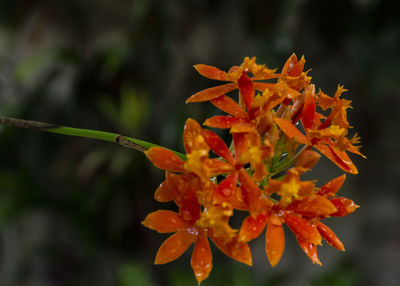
(289,191)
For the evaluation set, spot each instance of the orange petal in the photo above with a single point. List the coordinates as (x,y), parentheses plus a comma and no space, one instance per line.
(274,243)
(227,187)
(230,106)
(332,187)
(201,261)
(211,72)
(271,102)
(223,121)
(251,192)
(291,131)
(247,90)
(265,76)
(245,127)
(190,209)
(228,193)
(217,167)
(344,206)
(241,145)
(298,67)
(252,227)
(330,236)
(302,229)
(162,193)
(235,201)
(164,221)
(191,131)
(165,159)
(293,67)
(325,101)
(309,109)
(174,247)
(211,93)
(217,145)
(259,169)
(317,206)
(178,186)
(262,86)
(340,158)
(289,64)
(235,249)
(311,251)
(233,69)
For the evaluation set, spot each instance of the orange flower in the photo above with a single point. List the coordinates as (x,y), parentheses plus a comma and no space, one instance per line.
(187,227)
(260,72)
(257,114)
(248,149)
(197,161)
(186,233)
(293,74)
(290,188)
(191,225)
(256,108)
(301,207)
(343,205)
(327,137)
(247,92)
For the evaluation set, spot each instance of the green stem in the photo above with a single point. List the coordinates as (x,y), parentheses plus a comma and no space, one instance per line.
(124,141)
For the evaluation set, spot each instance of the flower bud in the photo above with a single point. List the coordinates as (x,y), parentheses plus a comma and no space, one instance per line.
(308,159)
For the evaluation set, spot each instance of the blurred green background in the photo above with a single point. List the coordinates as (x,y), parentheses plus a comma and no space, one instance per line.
(70,208)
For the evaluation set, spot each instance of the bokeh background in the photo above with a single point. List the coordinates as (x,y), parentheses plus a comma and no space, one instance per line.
(70,208)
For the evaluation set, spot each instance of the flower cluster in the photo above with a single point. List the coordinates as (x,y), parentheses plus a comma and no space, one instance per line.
(276,123)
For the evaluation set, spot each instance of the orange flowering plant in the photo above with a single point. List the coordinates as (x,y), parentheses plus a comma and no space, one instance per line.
(274,127)
(279,127)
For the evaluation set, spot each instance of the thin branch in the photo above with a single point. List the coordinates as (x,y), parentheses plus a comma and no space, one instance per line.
(121,140)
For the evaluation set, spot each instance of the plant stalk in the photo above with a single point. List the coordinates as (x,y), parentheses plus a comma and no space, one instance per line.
(121,140)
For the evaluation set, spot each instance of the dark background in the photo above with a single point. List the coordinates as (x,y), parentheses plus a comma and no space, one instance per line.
(70,208)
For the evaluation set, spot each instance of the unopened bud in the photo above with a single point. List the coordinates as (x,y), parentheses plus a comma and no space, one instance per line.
(291,146)
(308,159)
(273,135)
